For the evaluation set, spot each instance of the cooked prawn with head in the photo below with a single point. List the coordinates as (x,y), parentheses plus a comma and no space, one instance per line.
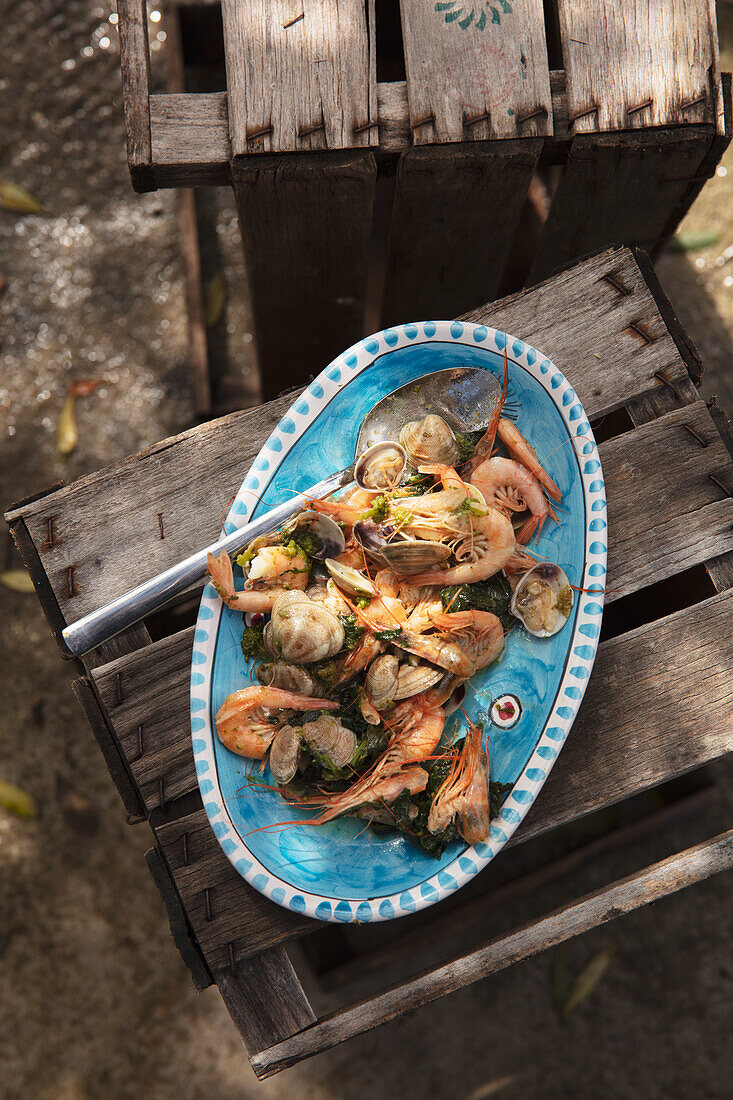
(380,789)
(510,487)
(520,450)
(464,642)
(243,720)
(464,795)
(277,570)
(481,552)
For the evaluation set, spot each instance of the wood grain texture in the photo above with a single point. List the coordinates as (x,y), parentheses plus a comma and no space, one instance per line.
(135,66)
(179,926)
(666,513)
(190,138)
(454,218)
(190,478)
(298,75)
(462,65)
(265,999)
(620,56)
(306,230)
(190,133)
(620,189)
(235,912)
(653,883)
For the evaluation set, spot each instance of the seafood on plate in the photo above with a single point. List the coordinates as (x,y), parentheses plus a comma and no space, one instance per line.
(369,613)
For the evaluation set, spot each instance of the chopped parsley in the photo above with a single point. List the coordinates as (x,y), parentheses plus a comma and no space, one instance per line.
(467,444)
(491,595)
(392,635)
(418,483)
(253,644)
(305,540)
(353,632)
(379,509)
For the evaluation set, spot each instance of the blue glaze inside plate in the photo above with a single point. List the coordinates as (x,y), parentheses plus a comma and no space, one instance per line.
(342,859)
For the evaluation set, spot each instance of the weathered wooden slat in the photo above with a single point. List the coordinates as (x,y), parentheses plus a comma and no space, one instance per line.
(620,188)
(298,75)
(454,217)
(471,76)
(234,913)
(666,511)
(190,133)
(179,926)
(653,883)
(640,64)
(265,999)
(189,479)
(135,65)
(109,744)
(306,228)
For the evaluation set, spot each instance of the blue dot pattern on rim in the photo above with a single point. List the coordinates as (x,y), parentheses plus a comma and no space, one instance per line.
(464,863)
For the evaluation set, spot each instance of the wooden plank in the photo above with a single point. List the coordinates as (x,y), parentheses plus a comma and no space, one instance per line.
(135,65)
(476,73)
(190,138)
(620,189)
(641,64)
(454,218)
(234,913)
(190,133)
(265,999)
(306,230)
(666,511)
(189,479)
(658,881)
(179,926)
(108,742)
(298,75)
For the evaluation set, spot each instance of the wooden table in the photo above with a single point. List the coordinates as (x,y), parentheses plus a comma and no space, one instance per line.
(659,703)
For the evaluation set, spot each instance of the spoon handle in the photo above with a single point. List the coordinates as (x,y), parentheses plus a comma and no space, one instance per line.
(99,626)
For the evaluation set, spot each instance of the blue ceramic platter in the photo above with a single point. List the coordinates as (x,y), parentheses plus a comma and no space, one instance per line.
(341,871)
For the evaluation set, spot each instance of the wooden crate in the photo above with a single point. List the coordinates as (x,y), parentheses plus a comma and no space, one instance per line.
(658,705)
(621,107)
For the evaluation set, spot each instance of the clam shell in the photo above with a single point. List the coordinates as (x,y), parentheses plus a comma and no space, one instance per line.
(381,680)
(350,580)
(303,631)
(380,467)
(412,680)
(284,750)
(526,604)
(429,441)
(411,556)
(324,528)
(289,678)
(328,737)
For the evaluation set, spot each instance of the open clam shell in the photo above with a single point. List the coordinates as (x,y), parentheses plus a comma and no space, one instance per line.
(380,467)
(543,600)
(350,580)
(408,557)
(328,538)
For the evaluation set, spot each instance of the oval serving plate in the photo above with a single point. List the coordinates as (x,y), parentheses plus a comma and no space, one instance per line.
(340,871)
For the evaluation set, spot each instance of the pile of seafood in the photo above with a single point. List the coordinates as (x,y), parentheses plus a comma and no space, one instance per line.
(367,615)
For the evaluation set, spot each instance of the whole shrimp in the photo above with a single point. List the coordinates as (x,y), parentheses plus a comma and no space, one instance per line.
(465,642)
(243,726)
(380,789)
(520,450)
(465,793)
(417,726)
(510,487)
(349,507)
(488,546)
(277,571)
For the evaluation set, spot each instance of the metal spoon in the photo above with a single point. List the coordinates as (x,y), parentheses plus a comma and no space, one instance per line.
(464,396)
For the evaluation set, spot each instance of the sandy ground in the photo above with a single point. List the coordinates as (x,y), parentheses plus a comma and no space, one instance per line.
(94,1000)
